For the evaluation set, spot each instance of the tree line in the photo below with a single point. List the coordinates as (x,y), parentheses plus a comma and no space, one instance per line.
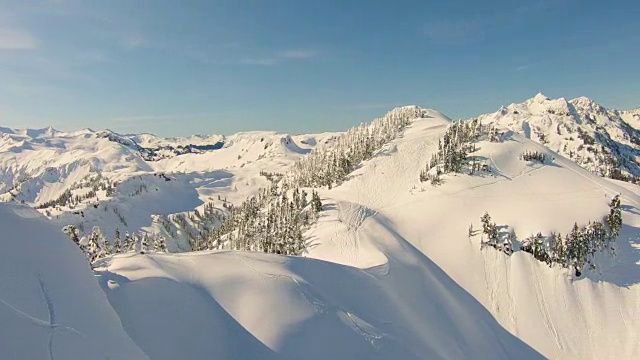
(453,154)
(575,250)
(275,219)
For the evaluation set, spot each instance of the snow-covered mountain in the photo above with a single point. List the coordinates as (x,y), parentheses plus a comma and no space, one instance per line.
(394,267)
(68,176)
(605,142)
(631,117)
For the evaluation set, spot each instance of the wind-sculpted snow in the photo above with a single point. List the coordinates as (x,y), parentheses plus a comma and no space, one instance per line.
(244,305)
(50,304)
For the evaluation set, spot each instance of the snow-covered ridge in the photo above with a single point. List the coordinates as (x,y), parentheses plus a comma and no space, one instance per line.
(68,174)
(50,304)
(392,270)
(603,141)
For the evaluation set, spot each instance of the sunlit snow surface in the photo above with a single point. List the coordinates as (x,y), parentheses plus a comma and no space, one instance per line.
(391,272)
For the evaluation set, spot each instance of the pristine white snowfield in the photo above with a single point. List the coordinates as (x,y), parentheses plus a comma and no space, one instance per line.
(391,272)
(51,306)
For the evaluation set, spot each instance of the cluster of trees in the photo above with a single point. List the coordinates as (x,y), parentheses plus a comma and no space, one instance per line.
(330,164)
(603,156)
(273,177)
(272,221)
(275,219)
(97,246)
(453,152)
(533,156)
(92,183)
(575,250)
(603,163)
(493,134)
(490,229)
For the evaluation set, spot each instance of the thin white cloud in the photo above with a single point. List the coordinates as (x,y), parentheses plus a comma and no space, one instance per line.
(260,62)
(298,54)
(17,39)
(135,41)
(281,56)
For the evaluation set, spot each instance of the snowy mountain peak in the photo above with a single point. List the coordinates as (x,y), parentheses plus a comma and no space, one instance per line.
(31,133)
(603,141)
(587,106)
(539,98)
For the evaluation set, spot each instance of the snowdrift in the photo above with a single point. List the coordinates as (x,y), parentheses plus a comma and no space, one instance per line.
(248,305)
(51,306)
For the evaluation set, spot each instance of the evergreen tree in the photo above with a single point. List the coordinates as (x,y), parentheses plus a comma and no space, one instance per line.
(129,243)
(72,232)
(486,222)
(316,202)
(144,242)
(117,244)
(159,244)
(614,219)
(93,245)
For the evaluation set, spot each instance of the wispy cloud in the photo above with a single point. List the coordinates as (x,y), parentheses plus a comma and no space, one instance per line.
(298,54)
(282,56)
(136,40)
(260,62)
(17,39)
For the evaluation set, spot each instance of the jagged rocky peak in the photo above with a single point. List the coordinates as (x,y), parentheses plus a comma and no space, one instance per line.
(602,141)
(586,105)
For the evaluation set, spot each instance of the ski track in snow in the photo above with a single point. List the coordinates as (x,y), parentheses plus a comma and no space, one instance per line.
(51,324)
(319,305)
(542,305)
(37,321)
(52,316)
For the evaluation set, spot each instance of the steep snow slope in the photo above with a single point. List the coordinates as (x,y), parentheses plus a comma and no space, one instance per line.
(596,138)
(594,316)
(50,304)
(252,305)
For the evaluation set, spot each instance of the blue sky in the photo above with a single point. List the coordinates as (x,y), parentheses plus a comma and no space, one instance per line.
(186,67)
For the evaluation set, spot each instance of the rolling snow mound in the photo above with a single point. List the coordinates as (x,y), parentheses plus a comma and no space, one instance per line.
(51,306)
